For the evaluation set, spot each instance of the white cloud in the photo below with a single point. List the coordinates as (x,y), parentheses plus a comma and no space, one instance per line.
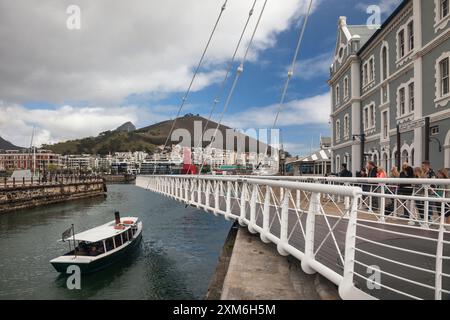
(123,47)
(66,123)
(312,110)
(314,67)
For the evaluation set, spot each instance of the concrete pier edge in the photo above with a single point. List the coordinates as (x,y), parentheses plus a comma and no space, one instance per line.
(239,276)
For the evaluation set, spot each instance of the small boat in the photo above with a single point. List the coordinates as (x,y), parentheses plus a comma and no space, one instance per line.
(98,248)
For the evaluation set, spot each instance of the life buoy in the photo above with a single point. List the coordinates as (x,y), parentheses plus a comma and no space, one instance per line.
(128,222)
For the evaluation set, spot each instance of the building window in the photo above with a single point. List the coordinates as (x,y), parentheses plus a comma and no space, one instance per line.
(365,74)
(411,97)
(338,95)
(384,63)
(402,101)
(338,130)
(405,157)
(373,115)
(385,122)
(444,8)
(338,163)
(371,70)
(346,88)
(401,43)
(411,35)
(366,118)
(346,126)
(444,76)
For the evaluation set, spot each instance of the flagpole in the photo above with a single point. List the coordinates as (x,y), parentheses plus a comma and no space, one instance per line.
(74,246)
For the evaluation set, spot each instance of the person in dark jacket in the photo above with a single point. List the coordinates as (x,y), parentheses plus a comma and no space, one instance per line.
(372,171)
(345,173)
(405,189)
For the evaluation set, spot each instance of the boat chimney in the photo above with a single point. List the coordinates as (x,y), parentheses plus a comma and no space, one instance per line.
(117,217)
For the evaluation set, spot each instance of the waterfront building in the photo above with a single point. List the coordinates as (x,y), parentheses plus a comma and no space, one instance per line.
(79,162)
(27,160)
(390,78)
(317,163)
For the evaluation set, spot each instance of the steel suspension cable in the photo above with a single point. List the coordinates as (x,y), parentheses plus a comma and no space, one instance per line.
(225,79)
(185,97)
(239,71)
(290,72)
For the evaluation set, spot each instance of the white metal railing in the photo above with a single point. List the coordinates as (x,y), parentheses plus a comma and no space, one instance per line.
(334,227)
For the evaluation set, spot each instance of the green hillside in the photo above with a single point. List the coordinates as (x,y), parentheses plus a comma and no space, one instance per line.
(145,139)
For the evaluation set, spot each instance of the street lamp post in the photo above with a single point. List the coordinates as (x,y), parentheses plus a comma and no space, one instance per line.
(362,139)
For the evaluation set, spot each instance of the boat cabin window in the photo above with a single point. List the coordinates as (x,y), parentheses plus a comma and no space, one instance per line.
(130,235)
(109,244)
(96,248)
(89,248)
(118,240)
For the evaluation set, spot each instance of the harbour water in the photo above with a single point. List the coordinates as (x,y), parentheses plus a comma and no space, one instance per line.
(175,260)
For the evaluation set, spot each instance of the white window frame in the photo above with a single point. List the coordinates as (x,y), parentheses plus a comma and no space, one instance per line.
(408,114)
(337,92)
(410,35)
(338,130)
(346,88)
(401,44)
(385,125)
(411,98)
(440,22)
(369,72)
(346,126)
(383,63)
(403,29)
(370,122)
(441,100)
(338,163)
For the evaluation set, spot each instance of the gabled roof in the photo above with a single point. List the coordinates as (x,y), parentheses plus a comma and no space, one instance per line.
(364,32)
(321,155)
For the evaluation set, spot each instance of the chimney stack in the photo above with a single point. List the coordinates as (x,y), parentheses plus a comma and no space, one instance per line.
(117,217)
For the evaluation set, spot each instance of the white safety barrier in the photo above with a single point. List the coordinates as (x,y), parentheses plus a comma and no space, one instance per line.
(333,228)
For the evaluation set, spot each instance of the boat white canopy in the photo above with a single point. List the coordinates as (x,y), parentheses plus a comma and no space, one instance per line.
(105,231)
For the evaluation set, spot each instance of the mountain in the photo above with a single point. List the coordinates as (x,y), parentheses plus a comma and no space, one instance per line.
(6,145)
(146,139)
(127,127)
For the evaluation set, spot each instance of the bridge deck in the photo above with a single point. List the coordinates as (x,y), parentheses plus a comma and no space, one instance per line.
(333,257)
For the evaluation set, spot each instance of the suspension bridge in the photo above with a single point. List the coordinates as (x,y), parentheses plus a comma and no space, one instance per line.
(361,234)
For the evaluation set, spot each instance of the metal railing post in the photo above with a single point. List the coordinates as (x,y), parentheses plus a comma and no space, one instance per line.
(228,201)
(243,204)
(426,206)
(284,225)
(383,202)
(199,192)
(266,216)
(253,209)
(207,195)
(439,255)
(347,289)
(310,232)
(216,197)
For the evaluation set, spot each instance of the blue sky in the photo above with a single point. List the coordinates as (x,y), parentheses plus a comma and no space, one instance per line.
(70,111)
